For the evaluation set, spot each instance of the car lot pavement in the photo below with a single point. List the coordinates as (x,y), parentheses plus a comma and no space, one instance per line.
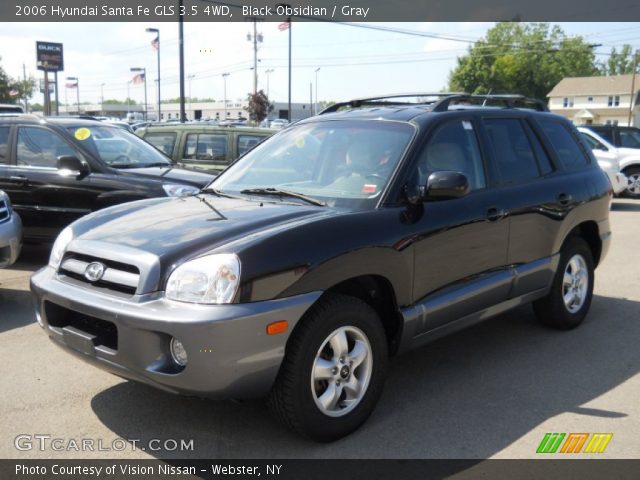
(491,391)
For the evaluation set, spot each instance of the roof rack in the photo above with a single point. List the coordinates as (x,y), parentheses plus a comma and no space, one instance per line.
(441,102)
(375,101)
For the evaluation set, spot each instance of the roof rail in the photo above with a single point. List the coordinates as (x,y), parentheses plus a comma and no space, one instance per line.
(509,101)
(375,101)
(441,104)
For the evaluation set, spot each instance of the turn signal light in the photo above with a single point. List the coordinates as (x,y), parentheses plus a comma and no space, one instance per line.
(275,328)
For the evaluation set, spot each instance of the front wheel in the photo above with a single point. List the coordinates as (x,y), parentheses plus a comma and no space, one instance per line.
(333,371)
(633,188)
(569,299)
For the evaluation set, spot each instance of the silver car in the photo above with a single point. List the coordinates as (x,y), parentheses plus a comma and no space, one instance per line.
(10,232)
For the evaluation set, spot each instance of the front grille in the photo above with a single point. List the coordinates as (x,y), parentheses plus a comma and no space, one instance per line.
(105,333)
(118,276)
(4,211)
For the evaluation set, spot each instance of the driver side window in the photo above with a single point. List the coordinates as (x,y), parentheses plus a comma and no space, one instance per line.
(453,147)
(38,147)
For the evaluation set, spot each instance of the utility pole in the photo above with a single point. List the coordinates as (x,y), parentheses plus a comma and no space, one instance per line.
(633,86)
(224,78)
(183,115)
(267,72)
(315,110)
(55,79)
(190,77)
(24,79)
(156,44)
(47,97)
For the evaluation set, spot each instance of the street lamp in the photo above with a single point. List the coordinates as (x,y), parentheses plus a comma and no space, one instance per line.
(75,79)
(255,38)
(267,72)
(224,78)
(155,43)
(190,77)
(144,75)
(316,105)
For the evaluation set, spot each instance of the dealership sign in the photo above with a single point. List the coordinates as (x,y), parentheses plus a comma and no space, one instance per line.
(49,56)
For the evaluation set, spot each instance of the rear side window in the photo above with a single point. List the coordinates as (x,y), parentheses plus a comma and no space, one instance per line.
(569,152)
(605,133)
(4,144)
(205,146)
(247,142)
(163,141)
(514,155)
(630,138)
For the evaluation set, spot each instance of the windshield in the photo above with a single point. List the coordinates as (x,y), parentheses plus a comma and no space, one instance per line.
(119,148)
(339,163)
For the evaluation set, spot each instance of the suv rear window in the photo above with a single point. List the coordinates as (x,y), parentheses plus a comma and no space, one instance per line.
(4,144)
(163,141)
(570,153)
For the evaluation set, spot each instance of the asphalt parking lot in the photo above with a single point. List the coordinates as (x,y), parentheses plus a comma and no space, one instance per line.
(491,391)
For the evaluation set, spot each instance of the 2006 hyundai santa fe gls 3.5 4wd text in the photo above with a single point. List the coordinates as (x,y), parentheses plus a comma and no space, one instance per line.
(363,232)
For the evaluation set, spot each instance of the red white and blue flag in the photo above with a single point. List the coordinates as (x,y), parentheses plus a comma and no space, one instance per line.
(138,79)
(155,43)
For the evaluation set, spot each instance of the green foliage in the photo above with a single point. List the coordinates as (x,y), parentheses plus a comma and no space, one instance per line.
(522,58)
(258,106)
(619,63)
(24,87)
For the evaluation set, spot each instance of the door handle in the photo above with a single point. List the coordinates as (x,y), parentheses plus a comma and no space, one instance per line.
(21,179)
(494,214)
(564,199)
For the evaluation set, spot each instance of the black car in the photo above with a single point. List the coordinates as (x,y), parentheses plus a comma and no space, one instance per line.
(56,170)
(343,239)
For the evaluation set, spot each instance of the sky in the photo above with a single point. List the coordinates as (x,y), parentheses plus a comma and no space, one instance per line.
(354,62)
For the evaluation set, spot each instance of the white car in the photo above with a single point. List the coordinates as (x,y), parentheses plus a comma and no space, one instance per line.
(609,158)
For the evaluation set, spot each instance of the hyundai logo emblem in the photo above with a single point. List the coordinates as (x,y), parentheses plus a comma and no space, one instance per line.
(94,271)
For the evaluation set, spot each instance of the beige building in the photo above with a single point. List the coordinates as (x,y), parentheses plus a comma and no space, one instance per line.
(597,100)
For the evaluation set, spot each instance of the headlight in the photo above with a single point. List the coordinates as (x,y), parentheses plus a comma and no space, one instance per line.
(210,279)
(7,202)
(179,190)
(59,247)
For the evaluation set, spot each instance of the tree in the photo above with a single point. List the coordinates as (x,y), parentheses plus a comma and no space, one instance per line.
(523,58)
(11,90)
(258,106)
(619,63)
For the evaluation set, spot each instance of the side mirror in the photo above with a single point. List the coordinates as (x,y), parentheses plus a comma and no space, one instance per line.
(71,166)
(446,184)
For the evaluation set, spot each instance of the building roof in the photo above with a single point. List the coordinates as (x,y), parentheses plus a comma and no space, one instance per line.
(603,85)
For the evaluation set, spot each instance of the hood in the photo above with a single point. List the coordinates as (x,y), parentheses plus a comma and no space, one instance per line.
(173,175)
(177,228)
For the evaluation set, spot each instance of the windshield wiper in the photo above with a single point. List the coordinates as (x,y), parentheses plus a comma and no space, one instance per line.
(283,193)
(157,164)
(217,192)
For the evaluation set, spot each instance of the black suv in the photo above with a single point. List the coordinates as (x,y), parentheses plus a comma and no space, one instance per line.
(343,239)
(55,170)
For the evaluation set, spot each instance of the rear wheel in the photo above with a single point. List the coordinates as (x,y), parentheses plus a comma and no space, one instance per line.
(333,371)
(633,188)
(569,299)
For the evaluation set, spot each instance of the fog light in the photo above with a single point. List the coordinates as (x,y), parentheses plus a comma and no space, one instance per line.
(178,352)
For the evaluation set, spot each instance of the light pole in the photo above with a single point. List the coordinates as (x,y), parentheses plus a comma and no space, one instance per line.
(190,77)
(224,78)
(155,43)
(144,75)
(315,109)
(255,38)
(75,79)
(267,72)
(102,97)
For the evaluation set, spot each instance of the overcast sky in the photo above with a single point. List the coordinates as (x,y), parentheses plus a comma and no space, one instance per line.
(353,62)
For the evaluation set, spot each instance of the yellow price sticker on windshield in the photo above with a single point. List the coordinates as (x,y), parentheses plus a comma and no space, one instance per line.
(300,142)
(82,133)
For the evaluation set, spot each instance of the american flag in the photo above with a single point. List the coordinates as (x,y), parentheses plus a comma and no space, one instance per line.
(155,43)
(283,26)
(138,79)
(71,85)
(14,93)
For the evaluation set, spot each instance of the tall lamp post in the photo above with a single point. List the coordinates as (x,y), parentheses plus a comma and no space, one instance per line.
(315,109)
(190,77)
(75,79)
(144,75)
(155,43)
(267,72)
(224,78)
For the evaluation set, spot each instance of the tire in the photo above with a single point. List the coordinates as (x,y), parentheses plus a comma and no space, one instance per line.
(633,190)
(555,310)
(296,399)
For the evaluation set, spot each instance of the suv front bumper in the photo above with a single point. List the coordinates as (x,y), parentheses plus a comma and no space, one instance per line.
(229,352)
